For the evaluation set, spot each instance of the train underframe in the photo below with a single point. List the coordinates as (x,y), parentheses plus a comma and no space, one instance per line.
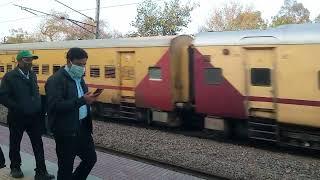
(255,128)
(129,111)
(268,130)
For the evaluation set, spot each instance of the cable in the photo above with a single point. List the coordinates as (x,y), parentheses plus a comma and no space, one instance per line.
(81,26)
(11,2)
(119,5)
(59,17)
(74,10)
(14,20)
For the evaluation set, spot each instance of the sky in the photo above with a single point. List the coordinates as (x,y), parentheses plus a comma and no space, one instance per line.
(120,17)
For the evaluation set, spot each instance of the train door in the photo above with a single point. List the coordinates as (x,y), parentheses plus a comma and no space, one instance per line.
(127,75)
(260,82)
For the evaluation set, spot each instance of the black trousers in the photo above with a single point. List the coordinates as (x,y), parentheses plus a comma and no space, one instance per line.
(68,147)
(30,124)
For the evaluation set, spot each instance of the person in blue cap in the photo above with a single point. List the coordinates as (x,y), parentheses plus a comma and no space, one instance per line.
(20,94)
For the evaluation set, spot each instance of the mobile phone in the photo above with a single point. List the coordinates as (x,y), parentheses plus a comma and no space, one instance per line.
(98,91)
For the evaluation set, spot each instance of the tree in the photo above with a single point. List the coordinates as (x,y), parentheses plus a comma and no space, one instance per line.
(153,19)
(114,34)
(146,21)
(249,20)
(54,28)
(317,19)
(291,12)
(233,16)
(131,34)
(174,17)
(76,32)
(58,28)
(19,36)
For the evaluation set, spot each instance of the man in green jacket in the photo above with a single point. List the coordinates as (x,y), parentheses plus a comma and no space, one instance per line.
(20,94)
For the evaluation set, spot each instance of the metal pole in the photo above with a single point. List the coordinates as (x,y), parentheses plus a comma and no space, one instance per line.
(97,19)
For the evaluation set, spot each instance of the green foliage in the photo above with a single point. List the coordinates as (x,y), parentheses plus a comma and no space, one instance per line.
(291,12)
(153,19)
(234,16)
(19,36)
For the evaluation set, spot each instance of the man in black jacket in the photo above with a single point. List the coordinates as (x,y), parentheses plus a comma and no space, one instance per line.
(20,94)
(69,116)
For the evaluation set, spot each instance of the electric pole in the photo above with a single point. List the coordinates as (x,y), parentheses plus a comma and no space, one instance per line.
(97,19)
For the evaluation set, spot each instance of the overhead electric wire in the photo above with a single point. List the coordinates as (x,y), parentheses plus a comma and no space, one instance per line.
(119,5)
(59,17)
(74,10)
(8,3)
(19,19)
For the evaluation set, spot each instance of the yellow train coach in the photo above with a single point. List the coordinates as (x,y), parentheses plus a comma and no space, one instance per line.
(265,83)
(141,77)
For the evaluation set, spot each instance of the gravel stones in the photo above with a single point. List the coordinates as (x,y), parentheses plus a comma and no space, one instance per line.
(223,159)
(218,158)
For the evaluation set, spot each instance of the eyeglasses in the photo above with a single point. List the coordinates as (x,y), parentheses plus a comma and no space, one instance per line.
(27,60)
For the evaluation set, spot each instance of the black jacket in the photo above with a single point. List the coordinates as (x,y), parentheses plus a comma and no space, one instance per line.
(20,95)
(63,104)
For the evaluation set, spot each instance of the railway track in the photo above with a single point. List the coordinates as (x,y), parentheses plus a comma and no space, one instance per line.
(269,146)
(201,170)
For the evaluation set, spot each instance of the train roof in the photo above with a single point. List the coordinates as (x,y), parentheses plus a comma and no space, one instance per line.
(285,34)
(157,41)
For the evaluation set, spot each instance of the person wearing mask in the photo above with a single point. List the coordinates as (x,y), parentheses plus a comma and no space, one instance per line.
(69,116)
(19,92)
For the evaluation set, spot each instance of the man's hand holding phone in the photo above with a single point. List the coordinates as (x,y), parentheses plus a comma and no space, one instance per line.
(97,92)
(92,97)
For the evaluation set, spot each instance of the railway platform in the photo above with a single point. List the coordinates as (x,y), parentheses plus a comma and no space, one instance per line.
(108,166)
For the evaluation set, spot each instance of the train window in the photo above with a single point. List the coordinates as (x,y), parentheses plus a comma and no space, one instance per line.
(94,71)
(9,67)
(155,73)
(55,68)
(45,69)
(260,76)
(1,68)
(213,76)
(35,68)
(109,72)
(206,58)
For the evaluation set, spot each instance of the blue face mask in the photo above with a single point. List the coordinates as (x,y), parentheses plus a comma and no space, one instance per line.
(76,71)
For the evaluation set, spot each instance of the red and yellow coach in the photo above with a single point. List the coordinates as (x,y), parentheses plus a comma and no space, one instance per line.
(266,82)
(142,78)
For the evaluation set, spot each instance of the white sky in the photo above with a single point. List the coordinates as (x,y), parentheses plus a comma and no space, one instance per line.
(120,17)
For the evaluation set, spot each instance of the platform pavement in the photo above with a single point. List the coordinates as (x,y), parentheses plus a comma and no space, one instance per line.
(108,166)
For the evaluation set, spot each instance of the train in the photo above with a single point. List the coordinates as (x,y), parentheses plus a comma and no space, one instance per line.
(260,84)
